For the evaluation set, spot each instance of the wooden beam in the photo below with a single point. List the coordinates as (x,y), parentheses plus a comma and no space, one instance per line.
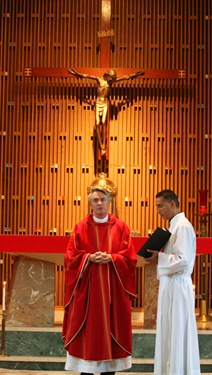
(148,73)
(105,41)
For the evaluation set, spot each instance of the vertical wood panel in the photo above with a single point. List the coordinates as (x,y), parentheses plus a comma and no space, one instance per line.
(161,137)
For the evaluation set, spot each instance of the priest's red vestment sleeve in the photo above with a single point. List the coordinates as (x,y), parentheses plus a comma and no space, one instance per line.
(97,318)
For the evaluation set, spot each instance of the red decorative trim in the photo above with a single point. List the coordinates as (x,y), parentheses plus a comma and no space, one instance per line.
(10,243)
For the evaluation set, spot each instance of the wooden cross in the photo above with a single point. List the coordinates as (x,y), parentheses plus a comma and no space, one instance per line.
(105,35)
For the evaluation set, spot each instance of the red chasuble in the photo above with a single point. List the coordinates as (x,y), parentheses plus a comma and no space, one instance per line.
(97,319)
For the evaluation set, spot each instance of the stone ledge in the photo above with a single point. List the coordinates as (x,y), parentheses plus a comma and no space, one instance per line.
(63,359)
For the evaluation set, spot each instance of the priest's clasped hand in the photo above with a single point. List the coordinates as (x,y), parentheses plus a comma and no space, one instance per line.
(100,257)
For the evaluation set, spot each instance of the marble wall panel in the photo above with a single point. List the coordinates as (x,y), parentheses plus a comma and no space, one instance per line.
(31,296)
(150,296)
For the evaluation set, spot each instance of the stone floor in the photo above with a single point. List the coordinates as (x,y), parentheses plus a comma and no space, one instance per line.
(26,372)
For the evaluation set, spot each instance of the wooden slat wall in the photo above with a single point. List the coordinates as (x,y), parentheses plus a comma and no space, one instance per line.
(160,130)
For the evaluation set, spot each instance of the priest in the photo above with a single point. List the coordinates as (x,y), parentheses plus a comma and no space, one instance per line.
(100,267)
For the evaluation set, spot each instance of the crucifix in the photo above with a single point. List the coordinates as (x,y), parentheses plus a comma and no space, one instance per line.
(104,77)
(102,101)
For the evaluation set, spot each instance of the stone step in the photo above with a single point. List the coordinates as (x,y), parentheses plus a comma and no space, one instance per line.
(47,342)
(42,349)
(135,361)
(26,372)
(36,359)
(33,363)
(57,363)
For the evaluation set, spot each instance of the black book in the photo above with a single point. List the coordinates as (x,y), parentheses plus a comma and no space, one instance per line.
(155,242)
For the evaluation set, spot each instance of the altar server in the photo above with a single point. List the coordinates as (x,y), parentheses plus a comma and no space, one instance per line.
(176,350)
